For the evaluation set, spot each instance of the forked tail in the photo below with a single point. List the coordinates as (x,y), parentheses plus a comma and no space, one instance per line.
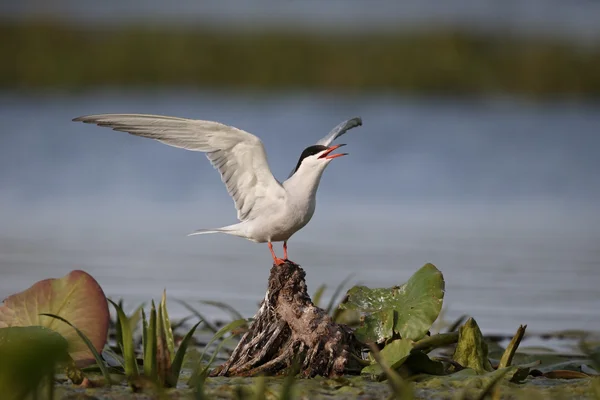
(230,230)
(203,231)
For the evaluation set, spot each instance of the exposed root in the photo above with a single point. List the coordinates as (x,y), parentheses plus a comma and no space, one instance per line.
(289,330)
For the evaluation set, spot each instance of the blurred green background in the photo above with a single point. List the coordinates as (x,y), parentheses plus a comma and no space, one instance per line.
(46,47)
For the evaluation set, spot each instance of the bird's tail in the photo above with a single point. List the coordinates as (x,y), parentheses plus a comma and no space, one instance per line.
(203,231)
(231,230)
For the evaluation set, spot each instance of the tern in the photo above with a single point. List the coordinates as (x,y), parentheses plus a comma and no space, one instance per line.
(268,211)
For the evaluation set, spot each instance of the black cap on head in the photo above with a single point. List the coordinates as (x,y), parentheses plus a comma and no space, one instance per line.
(310,151)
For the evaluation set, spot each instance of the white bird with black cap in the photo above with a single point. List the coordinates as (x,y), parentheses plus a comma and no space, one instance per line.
(268,211)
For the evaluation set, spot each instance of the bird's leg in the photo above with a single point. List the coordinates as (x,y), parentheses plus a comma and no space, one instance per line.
(285,256)
(277,261)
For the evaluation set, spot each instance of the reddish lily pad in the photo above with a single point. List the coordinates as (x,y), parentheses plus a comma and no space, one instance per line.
(76,297)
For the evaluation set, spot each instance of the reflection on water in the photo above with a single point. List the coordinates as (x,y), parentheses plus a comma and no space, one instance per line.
(502,196)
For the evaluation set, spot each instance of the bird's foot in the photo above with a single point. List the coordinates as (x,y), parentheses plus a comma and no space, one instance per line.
(279,261)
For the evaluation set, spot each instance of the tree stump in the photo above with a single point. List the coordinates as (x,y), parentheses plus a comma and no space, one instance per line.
(290,331)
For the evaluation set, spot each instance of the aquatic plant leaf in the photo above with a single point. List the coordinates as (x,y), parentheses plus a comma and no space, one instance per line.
(316,297)
(197,314)
(180,355)
(401,390)
(76,297)
(150,346)
(411,308)
(131,367)
(90,345)
(163,356)
(336,293)
(376,327)
(201,372)
(235,314)
(511,349)
(28,358)
(565,374)
(419,363)
(166,323)
(393,355)
(471,350)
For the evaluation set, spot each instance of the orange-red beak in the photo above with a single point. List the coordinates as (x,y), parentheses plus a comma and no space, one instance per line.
(328,156)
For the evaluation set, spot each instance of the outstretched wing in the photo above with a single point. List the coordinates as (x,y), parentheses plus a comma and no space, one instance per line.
(340,130)
(239,156)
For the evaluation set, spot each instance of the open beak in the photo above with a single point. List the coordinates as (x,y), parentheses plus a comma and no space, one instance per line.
(328,156)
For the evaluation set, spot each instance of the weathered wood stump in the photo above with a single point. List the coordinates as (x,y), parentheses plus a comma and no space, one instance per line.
(289,330)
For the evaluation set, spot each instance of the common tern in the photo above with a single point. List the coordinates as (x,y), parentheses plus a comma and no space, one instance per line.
(268,211)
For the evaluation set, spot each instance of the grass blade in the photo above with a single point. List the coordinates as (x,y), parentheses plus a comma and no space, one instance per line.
(336,294)
(144,334)
(200,373)
(511,349)
(180,355)
(260,388)
(223,331)
(201,317)
(166,323)
(150,346)
(401,390)
(131,368)
(90,346)
(224,306)
(487,390)
(316,298)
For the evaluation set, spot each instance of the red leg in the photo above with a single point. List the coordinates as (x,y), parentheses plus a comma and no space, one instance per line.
(285,256)
(277,261)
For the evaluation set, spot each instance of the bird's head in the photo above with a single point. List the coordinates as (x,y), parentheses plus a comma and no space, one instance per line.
(316,158)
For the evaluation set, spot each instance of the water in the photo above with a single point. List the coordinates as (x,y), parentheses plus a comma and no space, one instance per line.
(500,195)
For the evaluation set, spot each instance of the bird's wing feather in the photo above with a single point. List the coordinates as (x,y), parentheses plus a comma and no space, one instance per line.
(238,155)
(340,130)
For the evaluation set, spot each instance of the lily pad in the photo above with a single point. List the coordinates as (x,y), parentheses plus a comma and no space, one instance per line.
(393,354)
(471,350)
(408,310)
(76,297)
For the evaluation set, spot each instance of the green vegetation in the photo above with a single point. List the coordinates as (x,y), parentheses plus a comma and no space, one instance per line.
(39,55)
(165,360)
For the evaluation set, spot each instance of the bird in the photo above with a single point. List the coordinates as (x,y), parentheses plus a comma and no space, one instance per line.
(268,210)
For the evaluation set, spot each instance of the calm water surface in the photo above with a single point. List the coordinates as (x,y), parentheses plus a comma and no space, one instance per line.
(500,195)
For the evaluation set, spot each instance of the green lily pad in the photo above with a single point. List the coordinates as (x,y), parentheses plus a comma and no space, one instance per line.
(76,297)
(393,354)
(471,350)
(408,310)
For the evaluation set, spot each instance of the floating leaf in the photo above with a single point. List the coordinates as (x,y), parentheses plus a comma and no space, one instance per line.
(471,350)
(28,357)
(393,355)
(565,374)
(76,297)
(408,310)
(419,363)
